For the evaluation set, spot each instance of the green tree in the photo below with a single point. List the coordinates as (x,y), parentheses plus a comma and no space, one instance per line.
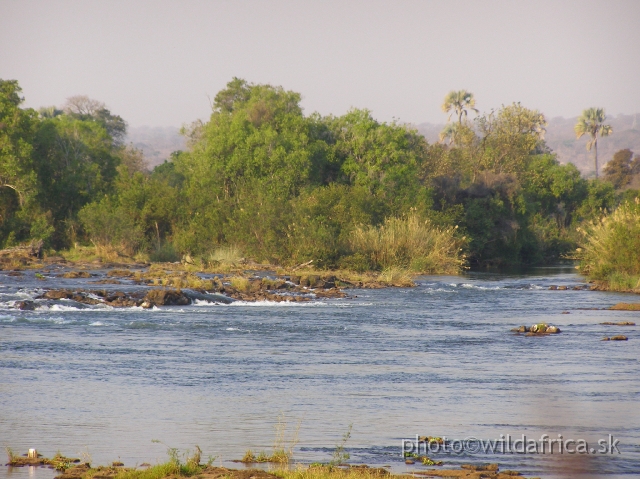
(459,102)
(591,123)
(511,137)
(17,128)
(84,108)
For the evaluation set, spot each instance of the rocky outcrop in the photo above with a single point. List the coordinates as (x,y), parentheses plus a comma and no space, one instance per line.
(165,297)
(540,329)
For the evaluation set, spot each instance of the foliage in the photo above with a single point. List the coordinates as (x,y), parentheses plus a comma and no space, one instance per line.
(622,168)
(459,102)
(410,242)
(263,181)
(611,247)
(339,454)
(591,123)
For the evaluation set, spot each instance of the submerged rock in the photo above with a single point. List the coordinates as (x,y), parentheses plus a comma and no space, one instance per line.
(626,307)
(26,305)
(520,329)
(615,338)
(485,467)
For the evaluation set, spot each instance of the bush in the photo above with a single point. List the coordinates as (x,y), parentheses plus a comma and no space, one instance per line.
(410,243)
(110,227)
(164,253)
(611,248)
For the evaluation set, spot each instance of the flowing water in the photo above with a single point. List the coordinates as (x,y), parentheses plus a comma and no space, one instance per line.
(438,359)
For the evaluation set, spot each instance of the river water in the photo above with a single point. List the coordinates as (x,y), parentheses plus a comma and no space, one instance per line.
(438,359)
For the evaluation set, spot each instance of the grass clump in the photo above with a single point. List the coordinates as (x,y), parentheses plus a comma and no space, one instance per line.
(611,248)
(282,448)
(226,255)
(240,283)
(411,243)
(394,276)
(164,253)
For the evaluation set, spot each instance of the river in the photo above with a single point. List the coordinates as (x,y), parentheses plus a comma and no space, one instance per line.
(438,359)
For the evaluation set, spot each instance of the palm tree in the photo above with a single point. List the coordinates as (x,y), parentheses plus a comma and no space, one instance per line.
(459,102)
(591,123)
(448,133)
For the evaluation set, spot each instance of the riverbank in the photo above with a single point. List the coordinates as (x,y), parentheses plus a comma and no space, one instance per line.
(69,468)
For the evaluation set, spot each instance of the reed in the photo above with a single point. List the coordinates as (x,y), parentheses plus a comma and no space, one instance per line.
(410,243)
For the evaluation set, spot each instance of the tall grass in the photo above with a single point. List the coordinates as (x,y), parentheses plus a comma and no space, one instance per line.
(611,248)
(231,255)
(410,243)
(282,448)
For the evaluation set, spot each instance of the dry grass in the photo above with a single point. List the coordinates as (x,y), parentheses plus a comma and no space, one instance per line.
(282,447)
(226,255)
(398,277)
(240,283)
(328,472)
(412,244)
(611,248)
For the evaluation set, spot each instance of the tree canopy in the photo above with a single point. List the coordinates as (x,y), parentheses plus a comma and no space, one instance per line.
(262,177)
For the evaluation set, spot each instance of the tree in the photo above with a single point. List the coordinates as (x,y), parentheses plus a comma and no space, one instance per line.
(84,108)
(459,102)
(17,128)
(622,168)
(591,123)
(82,105)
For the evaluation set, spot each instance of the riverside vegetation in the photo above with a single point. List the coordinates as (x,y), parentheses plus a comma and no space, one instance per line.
(185,465)
(262,180)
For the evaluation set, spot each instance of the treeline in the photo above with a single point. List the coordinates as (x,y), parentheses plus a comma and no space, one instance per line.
(347,191)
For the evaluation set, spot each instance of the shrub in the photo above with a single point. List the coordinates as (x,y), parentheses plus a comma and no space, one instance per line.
(110,227)
(164,253)
(240,283)
(611,247)
(229,255)
(410,243)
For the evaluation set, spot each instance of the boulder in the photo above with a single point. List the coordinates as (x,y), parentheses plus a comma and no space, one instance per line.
(165,297)
(57,294)
(538,328)
(26,305)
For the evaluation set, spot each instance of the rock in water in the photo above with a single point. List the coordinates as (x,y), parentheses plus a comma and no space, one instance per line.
(164,297)
(26,305)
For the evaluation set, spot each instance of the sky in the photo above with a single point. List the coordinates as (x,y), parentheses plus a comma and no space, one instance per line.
(160,62)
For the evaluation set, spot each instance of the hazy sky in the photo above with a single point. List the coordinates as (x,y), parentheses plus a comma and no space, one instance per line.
(155,62)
